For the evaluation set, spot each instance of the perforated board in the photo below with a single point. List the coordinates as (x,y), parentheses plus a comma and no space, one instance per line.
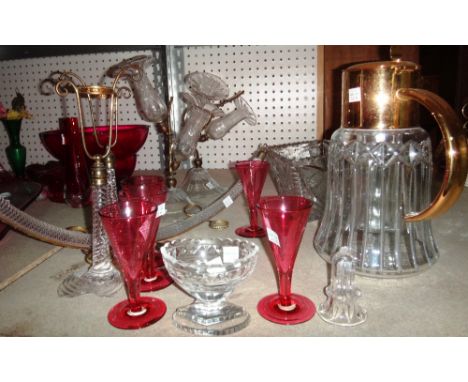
(280,84)
(26,75)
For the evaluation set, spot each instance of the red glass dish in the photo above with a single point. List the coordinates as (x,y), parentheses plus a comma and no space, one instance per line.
(129,225)
(130,139)
(153,188)
(285,219)
(252,174)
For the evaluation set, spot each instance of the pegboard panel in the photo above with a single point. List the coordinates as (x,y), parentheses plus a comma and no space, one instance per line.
(26,75)
(280,84)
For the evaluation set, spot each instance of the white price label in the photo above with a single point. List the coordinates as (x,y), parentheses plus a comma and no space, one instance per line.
(227,201)
(210,185)
(273,237)
(354,95)
(230,254)
(161,210)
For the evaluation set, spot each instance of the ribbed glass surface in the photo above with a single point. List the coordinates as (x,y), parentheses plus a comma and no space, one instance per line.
(374,179)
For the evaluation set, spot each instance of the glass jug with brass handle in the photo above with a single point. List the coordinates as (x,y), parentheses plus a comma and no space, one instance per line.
(380,171)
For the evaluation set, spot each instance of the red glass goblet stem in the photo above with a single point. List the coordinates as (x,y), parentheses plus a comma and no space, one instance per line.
(150,265)
(133,292)
(253,216)
(285,279)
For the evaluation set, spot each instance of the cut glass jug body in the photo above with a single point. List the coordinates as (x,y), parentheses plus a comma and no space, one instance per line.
(380,172)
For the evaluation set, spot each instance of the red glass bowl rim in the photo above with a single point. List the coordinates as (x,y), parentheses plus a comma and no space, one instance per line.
(104,128)
(251,163)
(274,203)
(99,128)
(141,180)
(107,210)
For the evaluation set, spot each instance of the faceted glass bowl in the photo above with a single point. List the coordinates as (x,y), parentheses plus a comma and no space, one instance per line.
(209,270)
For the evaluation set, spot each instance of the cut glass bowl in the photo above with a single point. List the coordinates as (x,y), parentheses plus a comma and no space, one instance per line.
(209,270)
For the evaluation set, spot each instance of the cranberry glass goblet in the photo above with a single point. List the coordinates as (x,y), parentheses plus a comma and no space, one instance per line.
(129,225)
(152,188)
(252,174)
(285,219)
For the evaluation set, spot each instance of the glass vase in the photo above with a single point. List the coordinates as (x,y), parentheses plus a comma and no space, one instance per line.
(16,152)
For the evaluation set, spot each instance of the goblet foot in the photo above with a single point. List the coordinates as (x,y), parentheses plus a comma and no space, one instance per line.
(249,231)
(301,310)
(205,320)
(159,280)
(88,280)
(122,317)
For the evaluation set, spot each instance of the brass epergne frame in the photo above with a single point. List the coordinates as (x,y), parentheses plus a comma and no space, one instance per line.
(101,278)
(171,163)
(152,109)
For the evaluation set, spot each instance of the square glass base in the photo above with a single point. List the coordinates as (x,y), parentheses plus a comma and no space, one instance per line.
(204,320)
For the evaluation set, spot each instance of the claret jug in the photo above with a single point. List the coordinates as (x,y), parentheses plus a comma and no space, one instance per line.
(380,171)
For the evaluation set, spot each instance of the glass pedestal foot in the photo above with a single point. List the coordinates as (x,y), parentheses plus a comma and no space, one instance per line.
(249,231)
(151,310)
(204,320)
(200,186)
(341,318)
(177,199)
(301,310)
(91,281)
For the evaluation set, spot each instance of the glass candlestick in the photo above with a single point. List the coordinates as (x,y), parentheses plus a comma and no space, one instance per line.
(102,278)
(341,307)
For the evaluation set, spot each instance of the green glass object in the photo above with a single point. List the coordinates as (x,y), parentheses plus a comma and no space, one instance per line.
(16,152)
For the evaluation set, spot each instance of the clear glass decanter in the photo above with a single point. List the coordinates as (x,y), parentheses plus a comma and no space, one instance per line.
(380,172)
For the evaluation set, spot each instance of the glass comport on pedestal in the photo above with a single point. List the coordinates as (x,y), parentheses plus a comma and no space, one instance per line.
(209,270)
